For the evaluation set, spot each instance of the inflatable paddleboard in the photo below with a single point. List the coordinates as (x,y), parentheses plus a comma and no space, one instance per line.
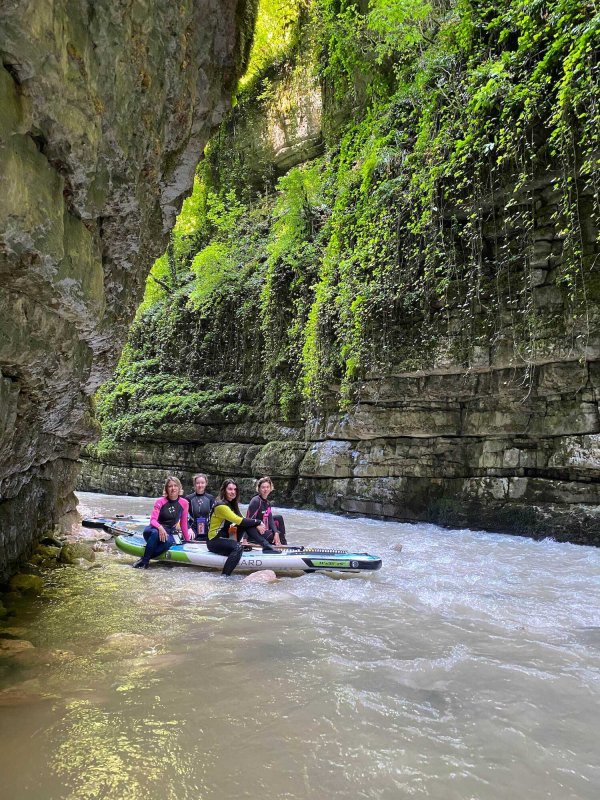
(129,539)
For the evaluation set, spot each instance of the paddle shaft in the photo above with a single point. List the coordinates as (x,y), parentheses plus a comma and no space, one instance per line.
(278,546)
(253,545)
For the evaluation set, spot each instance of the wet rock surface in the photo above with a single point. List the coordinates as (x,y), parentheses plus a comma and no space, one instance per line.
(71,553)
(26,584)
(105,109)
(264,576)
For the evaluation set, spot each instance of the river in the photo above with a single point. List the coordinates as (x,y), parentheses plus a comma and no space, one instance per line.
(468,668)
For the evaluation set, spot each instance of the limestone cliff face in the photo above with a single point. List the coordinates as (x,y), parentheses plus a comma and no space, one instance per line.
(104,111)
(484,411)
(475,438)
(489,449)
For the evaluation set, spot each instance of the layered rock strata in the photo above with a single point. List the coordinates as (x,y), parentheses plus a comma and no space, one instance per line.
(482,437)
(104,110)
(491,449)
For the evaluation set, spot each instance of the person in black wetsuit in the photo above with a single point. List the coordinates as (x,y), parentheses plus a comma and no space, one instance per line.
(226,512)
(201,503)
(260,508)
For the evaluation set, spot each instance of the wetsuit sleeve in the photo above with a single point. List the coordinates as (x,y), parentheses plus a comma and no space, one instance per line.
(155,511)
(184,518)
(248,522)
(188,497)
(224,512)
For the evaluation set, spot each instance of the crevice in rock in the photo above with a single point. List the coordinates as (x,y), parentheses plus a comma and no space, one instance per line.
(13,71)
(40,142)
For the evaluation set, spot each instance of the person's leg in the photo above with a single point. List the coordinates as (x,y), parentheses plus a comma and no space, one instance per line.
(154,546)
(226,547)
(280,525)
(148,531)
(254,536)
(150,534)
(162,547)
(233,560)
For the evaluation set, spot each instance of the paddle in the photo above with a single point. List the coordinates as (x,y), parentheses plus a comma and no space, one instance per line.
(254,545)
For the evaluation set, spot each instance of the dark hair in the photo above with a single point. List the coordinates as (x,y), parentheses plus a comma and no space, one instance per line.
(221,498)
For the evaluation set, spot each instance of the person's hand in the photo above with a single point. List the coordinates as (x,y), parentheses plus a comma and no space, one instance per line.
(261,528)
(162,534)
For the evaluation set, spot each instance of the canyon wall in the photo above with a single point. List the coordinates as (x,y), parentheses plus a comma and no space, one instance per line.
(105,109)
(475,404)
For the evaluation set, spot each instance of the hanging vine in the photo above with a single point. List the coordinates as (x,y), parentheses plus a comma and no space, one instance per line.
(454,212)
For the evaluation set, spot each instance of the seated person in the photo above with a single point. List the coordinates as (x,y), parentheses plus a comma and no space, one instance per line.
(226,512)
(169,515)
(260,508)
(201,503)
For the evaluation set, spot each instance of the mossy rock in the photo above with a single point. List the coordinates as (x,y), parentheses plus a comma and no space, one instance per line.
(70,553)
(3,611)
(47,552)
(26,584)
(51,541)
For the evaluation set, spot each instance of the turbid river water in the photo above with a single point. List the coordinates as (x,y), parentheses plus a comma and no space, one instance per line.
(467,668)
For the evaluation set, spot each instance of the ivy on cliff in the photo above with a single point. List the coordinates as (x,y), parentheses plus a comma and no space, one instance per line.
(412,240)
(485,98)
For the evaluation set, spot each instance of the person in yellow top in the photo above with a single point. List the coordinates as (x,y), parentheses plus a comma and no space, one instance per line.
(226,512)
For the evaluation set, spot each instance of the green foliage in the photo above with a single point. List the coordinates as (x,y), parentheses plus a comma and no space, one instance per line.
(274,36)
(294,248)
(472,101)
(400,26)
(142,397)
(410,242)
(188,232)
(212,266)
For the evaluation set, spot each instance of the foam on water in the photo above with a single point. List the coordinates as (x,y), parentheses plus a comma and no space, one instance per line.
(468,667)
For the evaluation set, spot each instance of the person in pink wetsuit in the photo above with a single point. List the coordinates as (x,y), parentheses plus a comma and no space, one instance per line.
(169,515)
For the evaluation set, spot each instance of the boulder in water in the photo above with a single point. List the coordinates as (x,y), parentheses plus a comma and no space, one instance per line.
(51,541)
(264,576)
(14,647)
(26,584)
(24,693)
(125,643)
(48,552)
(102,536)
(70,553)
